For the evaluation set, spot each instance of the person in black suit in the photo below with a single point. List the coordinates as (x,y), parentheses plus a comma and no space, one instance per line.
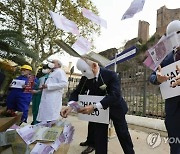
(172,105)
(98,132)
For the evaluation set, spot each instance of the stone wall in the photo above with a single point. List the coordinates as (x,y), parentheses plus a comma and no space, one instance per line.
(143,31)
(164,17)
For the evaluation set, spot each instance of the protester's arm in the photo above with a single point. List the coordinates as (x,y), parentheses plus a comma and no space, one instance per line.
(153,79)
(157,77)
(177,79)
(113,89)
(65,111)
(74,97)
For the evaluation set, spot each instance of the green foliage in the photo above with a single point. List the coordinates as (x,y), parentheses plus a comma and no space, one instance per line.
(13,47)
(33,21)
(152,39)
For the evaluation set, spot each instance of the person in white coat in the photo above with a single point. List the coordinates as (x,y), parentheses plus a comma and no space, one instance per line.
(53,89)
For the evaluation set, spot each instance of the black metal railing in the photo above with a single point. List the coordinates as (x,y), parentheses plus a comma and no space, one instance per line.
(143,98)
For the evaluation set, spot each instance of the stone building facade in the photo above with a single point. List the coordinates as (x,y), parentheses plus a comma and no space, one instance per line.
(143,31)
(164,17)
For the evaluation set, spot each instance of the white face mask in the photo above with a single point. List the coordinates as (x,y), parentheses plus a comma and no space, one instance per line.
(51,65)
(85,69)
(45,71)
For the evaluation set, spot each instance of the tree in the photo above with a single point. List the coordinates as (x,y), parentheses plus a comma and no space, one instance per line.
(31,18)
(13,47)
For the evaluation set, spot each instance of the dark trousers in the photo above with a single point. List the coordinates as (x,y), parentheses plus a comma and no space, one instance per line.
(98,134)
(173,128)
(19,102)
(122,132)
(98,137)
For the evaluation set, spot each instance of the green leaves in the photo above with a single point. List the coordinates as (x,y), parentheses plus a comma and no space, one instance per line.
(13,46)
(37,31)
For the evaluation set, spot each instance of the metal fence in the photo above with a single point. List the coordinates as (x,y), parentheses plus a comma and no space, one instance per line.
(143,98)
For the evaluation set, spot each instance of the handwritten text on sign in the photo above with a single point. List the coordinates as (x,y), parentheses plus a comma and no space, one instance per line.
(166,90)
(99,116)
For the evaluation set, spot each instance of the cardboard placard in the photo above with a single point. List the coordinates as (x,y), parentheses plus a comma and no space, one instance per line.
(99,116)
(17,83)
(166,90)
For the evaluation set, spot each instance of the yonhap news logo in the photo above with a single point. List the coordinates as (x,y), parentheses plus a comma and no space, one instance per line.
(154,140)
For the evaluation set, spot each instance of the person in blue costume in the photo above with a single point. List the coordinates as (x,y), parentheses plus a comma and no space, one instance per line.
(19,98)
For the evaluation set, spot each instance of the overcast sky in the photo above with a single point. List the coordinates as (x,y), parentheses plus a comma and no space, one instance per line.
(120,30)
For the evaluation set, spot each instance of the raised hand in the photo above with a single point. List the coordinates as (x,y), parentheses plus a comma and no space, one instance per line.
(177,79)
(65,111)
(86,110)
(161,78)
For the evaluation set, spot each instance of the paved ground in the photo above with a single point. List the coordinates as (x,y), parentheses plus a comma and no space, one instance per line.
(138,137)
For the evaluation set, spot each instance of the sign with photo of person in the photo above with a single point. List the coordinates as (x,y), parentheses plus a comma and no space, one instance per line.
(17,83)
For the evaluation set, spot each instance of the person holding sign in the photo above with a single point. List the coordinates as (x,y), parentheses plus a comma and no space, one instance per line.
(172,104)
(98,81)
(18,99)
(177,79)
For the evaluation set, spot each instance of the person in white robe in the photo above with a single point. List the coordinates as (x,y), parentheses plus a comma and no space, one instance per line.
(53,89)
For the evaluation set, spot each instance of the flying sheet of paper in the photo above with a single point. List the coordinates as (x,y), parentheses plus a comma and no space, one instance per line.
(93,17)
(67,48)
(157,53)
(91,55)
(135,7)
(41,148)
(97,57)
(63,23)
(82,46)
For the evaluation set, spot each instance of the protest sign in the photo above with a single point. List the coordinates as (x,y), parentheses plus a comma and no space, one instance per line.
(166,90)
(99,116)
(17,83)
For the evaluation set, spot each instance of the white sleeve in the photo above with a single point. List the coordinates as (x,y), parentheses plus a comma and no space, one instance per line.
(99,105)
(62,81)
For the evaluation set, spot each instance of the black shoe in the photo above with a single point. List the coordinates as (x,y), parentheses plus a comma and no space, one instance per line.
(83,143)
(88,150)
